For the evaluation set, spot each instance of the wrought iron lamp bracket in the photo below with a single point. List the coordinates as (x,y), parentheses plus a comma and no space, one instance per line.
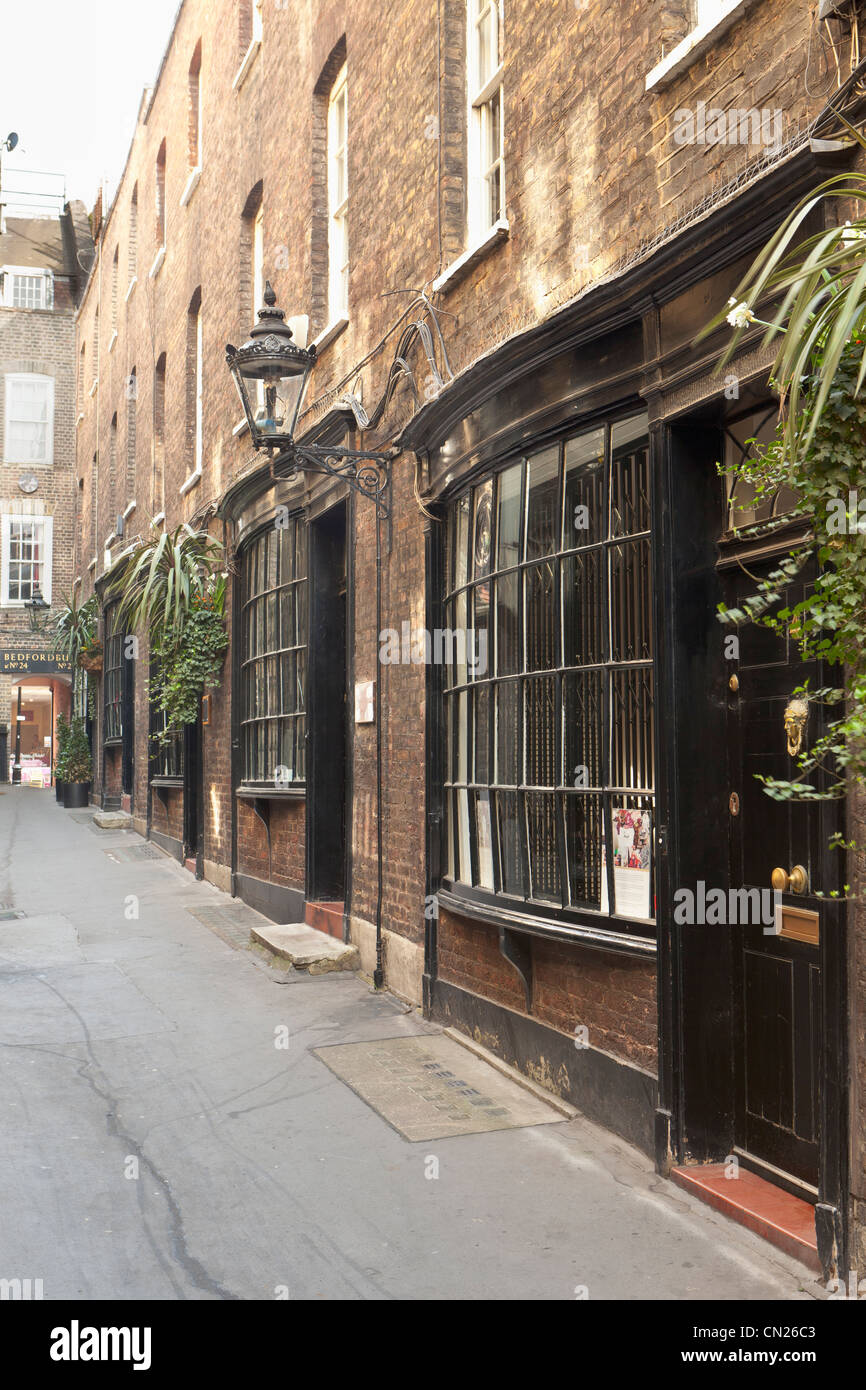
(366,472)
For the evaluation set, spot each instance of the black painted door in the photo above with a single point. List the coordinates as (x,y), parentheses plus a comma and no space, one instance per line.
(777,983)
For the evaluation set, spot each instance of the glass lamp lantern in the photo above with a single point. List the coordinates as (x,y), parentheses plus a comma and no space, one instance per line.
(271,373)
(36,606)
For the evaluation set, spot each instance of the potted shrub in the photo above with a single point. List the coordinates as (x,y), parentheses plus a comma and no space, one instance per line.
(62,736)
(77,768)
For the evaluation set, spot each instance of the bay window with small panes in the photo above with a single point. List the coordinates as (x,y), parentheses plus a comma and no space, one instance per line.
(548,698)
(274,656)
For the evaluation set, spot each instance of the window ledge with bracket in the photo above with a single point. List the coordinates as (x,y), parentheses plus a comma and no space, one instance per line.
(457,270)
(327,335)
(247,61)
(191,185)
(705,33)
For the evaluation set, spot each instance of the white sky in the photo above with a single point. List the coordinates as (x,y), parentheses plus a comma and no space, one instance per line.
(71,78)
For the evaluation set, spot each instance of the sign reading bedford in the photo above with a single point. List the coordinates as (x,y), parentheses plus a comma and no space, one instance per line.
(30,662)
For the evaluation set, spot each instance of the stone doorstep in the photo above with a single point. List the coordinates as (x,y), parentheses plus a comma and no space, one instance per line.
(786,1221)
(112,820)
(306,949)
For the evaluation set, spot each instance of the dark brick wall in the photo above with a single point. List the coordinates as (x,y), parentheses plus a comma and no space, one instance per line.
(614,998)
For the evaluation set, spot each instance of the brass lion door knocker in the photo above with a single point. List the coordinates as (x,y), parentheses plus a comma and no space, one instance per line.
(796,717)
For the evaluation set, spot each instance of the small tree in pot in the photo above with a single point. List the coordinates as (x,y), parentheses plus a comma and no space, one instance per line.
(77,768)
(62,736)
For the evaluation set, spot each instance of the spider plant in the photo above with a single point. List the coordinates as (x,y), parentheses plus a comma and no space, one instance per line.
(161,581)
(818,283)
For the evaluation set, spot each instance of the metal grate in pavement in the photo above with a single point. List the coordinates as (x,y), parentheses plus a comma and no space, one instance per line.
(231,924)
(134,853)
(429,1087)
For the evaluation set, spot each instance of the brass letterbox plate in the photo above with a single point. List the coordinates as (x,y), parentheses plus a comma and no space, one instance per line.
(800,925)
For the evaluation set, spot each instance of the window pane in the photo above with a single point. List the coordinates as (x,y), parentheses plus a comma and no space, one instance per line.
(540,617)
(484,833)
(630,618)
(542,528)
(584,520)
(629,493)
(508,517)
(543,846)
(507,649)
(508,757)
(583,715)
(541,737)
(510,841)
(583,841)
(462,542)
(583,608)
(479,650)
(481,734)
(483,529)
(631,716)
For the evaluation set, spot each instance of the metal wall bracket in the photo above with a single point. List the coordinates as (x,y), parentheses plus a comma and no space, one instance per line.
(515,948)
(365,471)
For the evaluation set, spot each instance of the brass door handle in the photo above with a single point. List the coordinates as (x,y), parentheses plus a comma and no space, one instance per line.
(797,881)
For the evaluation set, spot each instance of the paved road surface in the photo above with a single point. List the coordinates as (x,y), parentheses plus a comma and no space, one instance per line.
(156,1144)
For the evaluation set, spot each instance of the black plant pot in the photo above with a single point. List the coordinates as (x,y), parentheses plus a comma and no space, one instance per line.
(59,784)
(76,795)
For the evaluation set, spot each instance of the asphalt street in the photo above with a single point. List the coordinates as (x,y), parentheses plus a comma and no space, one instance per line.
(160,1140)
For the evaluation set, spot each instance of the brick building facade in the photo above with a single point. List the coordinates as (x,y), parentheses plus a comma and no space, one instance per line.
(44,263)
(502,235)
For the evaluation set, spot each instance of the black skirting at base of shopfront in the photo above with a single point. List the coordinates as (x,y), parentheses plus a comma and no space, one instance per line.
(606,1089)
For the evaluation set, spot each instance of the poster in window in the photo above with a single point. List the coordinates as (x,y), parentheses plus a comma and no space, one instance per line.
(485,842)
(632,863)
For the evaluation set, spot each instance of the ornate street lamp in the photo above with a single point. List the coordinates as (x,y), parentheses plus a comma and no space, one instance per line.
(271,373)
(36,605)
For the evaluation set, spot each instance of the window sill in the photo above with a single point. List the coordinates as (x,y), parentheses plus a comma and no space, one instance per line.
(80,418)
(327,335)
(130,289)
(167,782)
(580,933)
(112,341)
(702,37)
(158,519)
(191,185)
(157,263)
(113,742)
(128,511)
(458,269)
(269,793)
(241,426)
(94,386)
(192,481)
(247,61)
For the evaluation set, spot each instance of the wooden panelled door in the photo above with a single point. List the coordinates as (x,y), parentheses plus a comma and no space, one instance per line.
(777,977)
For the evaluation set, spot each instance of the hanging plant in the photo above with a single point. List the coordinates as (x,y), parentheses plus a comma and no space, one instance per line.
(174,589)
(91,657)
(188,665)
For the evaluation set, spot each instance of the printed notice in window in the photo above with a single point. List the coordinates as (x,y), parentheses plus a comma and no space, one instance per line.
(632,863)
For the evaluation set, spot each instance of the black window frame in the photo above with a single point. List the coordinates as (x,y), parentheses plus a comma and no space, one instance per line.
(291,657)
(166,755)
(562,908)
(113,683)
